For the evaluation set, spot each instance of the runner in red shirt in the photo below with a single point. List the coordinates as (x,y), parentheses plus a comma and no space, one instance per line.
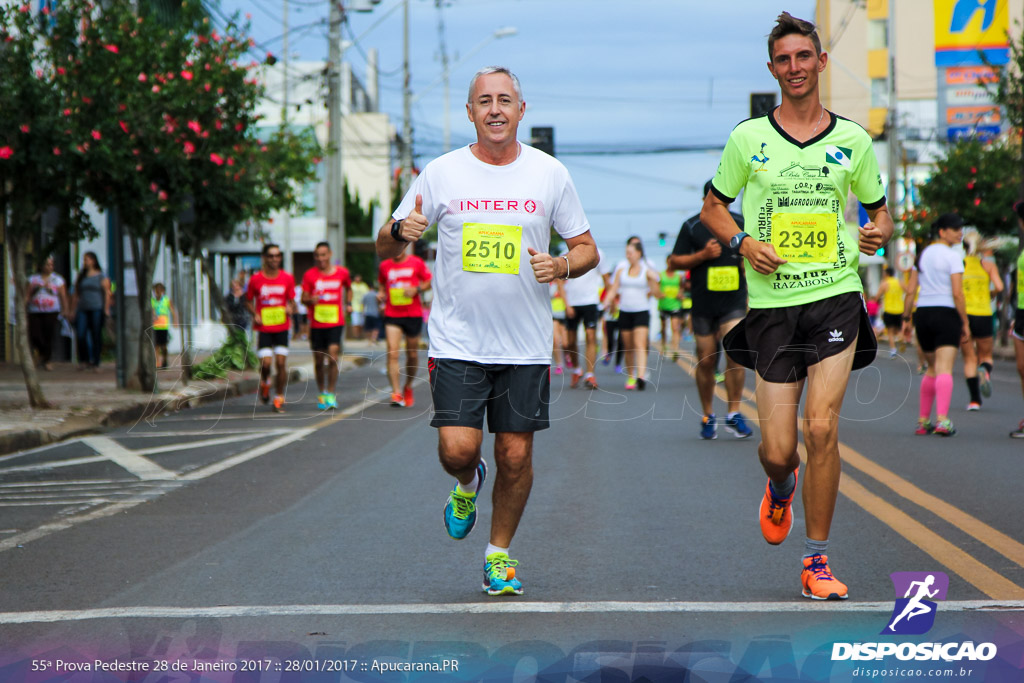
(270,299)
(403,279)
(327,293)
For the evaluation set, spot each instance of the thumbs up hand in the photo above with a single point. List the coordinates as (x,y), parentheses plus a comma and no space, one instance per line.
(544,266)
(412,228)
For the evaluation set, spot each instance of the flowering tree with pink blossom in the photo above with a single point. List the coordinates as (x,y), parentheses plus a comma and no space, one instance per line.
(37,168)
(170,111)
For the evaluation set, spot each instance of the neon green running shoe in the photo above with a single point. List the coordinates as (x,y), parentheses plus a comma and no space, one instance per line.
(460,508)
(500,575)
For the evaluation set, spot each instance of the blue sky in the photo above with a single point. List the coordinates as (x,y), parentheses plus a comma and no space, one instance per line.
(609,76)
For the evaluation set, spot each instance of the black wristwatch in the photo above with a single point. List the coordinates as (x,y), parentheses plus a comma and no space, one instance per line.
(396,232)
(737,239)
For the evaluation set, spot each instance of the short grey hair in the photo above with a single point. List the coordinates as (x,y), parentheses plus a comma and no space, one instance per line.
(495,70)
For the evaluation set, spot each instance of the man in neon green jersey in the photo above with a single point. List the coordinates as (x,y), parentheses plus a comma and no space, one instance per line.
(808,322)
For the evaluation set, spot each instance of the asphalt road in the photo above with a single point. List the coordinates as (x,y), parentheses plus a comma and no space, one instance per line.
(309,546)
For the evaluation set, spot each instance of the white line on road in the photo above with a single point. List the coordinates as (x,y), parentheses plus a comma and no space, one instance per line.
(504,606)
(141,467)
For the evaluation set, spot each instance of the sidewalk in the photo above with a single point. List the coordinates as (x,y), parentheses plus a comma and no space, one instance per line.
(85,402)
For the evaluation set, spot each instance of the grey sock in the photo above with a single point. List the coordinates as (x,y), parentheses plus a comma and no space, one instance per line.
(812,547)
(783,492)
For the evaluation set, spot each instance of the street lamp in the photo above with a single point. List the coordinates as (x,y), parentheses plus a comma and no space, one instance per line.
(445,76)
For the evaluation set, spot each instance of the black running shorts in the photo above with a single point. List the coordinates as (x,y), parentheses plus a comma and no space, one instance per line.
(781,343)
(588,315)
(322,338)
(630,320)
(515,398)
(937,326)
(982,326)
(410,326)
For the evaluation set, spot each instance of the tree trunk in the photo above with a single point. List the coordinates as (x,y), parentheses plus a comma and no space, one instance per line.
(143,262)
(215,293)
(17,246)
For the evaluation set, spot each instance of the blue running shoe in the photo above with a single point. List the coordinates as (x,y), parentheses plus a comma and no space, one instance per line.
(737,426)
(321,401)
(460,510)
(332,400)
(500,576)
(708,430)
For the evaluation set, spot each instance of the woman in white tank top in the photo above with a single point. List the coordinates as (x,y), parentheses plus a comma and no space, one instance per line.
(634,283)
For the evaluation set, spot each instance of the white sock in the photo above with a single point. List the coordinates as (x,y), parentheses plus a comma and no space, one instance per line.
(491,549)
(588,375)
(578,371)
(471,486)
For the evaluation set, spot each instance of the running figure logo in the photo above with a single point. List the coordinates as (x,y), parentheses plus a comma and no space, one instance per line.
(914,613)
(762,158)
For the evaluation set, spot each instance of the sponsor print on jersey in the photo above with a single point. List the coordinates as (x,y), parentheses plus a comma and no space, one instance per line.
(838,155)
(529,206)
(761,158)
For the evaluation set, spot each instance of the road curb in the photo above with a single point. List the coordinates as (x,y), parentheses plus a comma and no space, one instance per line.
(12,441)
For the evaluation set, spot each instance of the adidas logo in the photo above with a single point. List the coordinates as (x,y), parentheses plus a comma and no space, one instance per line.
(837,336)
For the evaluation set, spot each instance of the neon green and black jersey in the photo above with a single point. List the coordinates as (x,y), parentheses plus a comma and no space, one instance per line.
(795,197)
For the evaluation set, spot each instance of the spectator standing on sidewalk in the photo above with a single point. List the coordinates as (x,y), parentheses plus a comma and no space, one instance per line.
(47,299)
(90,305)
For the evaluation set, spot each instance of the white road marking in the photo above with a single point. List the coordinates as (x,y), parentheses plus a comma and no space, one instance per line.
(188,445)
(215,432)
(141,467)
(54,464)
(501,606)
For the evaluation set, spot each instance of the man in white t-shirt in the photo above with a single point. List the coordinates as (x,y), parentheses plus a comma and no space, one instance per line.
(582,297)
(494,203)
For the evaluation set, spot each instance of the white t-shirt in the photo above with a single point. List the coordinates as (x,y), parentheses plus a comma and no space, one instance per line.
(937,263)
(634,291)
(493,317)
(46,299)
(585,290)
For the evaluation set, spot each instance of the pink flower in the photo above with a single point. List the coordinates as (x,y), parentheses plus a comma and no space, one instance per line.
(239,127)
(189,148)
(187,75)
(156,88)
(142,78)
(67,112)
(217,159)
(111,48)
(124,126)
(231,162)
(24,8)
(39,73)
(23,128)
(195,127)
(61,70)
(154,187)
(6,152)
(162,196)
(977,201)
(219,125)
(95,135)
(206,87)
(56,151)
(86,100)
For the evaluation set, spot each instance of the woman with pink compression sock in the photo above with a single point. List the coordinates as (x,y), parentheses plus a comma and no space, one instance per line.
(940,320)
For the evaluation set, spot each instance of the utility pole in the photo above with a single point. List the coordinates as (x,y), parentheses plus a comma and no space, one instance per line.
(289,263)
(406,104)
(335,177)
(447,76)
(892,125)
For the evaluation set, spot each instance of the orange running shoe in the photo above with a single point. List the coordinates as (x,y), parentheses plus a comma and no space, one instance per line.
(776,514)
(818,582)
(576,377)
(409,400)
(590,382)
(265,392)
(397,400)
(279,404)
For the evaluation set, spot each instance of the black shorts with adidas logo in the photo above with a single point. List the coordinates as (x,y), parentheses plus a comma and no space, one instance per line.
(781,343)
